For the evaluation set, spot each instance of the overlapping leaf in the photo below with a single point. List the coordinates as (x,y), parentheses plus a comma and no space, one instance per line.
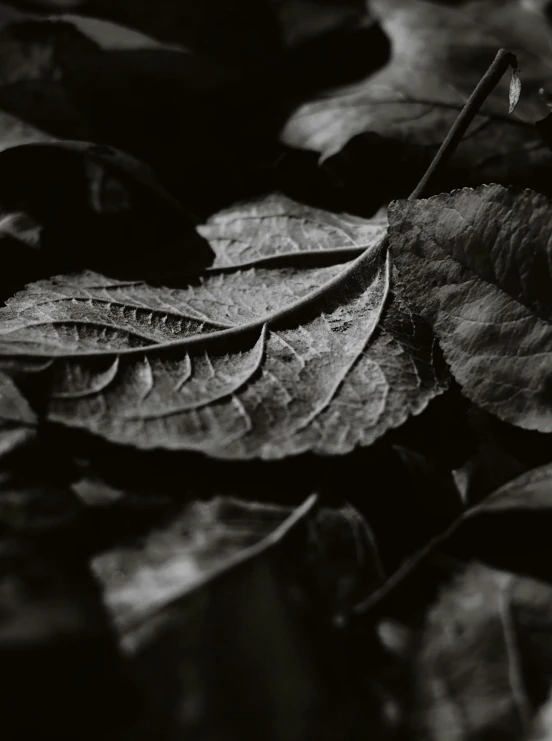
(439,55)
(476,264)
(482,661)
(268,358)
(485,662)
(226,585)
(205,540)
(210,538)
(242,619)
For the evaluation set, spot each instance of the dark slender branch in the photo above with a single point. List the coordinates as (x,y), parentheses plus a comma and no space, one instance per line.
(503,60)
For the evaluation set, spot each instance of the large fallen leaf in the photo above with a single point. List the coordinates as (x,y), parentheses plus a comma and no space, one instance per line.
(202,599)
(210,538)
(203,541)
(272,356)
(476,264)
(485,662)
(439,55)
(233,599)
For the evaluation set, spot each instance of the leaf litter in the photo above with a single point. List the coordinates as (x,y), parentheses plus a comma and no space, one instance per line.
(289,346)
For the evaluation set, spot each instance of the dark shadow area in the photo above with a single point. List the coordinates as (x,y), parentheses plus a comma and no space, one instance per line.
(76,212)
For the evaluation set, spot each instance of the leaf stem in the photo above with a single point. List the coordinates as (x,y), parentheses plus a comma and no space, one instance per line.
(411,564)
(503,60)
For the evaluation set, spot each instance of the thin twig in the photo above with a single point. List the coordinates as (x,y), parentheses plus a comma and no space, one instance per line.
(503,60)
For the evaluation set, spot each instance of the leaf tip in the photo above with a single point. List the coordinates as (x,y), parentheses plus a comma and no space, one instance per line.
(515,90)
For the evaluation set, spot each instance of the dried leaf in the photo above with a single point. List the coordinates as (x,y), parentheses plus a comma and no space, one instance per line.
(485,657)
(226,589)
(202,596)
(203,541)
(476,264)
(263,359)
(439,55)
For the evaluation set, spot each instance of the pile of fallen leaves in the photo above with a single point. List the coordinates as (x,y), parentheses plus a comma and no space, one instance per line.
(265,472)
